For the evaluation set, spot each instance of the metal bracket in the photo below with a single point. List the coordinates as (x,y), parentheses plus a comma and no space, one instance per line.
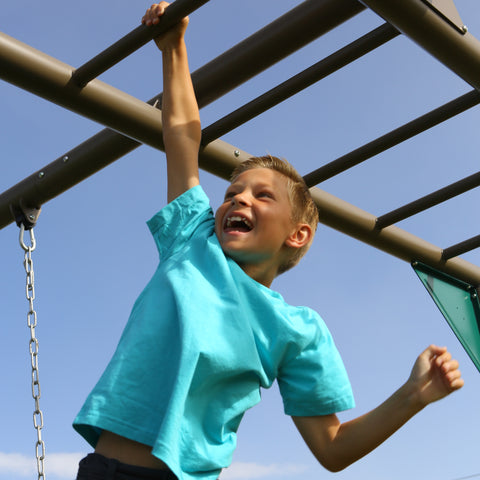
(27,216)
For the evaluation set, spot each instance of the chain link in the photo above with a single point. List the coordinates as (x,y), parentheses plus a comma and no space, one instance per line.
(33,348)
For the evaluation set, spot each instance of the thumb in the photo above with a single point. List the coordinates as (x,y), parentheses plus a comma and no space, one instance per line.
(433,351)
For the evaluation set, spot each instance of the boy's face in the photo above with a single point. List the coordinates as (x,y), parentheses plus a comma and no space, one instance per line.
(254,221)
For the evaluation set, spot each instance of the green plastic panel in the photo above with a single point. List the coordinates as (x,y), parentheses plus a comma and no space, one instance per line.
(459,304)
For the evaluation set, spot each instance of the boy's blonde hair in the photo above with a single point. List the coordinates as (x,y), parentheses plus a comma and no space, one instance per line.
(304,209)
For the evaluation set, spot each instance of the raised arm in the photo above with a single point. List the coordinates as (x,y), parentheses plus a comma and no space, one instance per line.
(338,445)
(180,116)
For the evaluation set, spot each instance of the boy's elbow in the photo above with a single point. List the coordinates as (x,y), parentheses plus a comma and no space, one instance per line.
(321,436)
(332,466)
(332,463)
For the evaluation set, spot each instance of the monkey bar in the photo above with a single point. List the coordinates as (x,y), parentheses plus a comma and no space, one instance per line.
(429,201)
(302,80)
(47,77)
(132,122)
(133,41)
(393,138)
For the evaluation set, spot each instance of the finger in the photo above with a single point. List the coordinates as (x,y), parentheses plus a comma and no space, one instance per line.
(445,363)
(433,351)
(457,384)
(453,376)
(454,380)
(436,350)
(153,13)
(148,17)
(449,365)
(158,11)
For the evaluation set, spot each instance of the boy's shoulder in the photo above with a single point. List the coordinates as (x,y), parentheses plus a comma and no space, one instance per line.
(188,204)
(179,220)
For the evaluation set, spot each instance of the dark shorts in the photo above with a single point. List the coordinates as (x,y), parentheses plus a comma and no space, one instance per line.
(98,467)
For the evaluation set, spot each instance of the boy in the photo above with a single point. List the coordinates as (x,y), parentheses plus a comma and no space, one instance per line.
(207,332)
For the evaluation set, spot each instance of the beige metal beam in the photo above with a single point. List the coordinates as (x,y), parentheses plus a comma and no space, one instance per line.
(421,22)
(218,158)
(140,121)
(359,224)
(47,77)
(53,80)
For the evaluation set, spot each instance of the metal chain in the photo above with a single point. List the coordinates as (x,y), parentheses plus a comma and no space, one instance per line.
(33,347)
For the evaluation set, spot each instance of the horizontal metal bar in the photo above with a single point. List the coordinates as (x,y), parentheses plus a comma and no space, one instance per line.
(219,158)
(394,137)
(418,20)
(462,247)
(133,41)
(299,82)
(66,171)
(359,224)
(428,201)
(280,38)
(90,157)
(51,79)
(264,48)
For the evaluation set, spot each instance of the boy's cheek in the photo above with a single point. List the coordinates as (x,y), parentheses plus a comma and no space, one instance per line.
(218,220)
(217,225)
(218,230)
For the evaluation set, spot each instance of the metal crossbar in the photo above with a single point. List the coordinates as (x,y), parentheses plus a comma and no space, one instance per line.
(389,140)
(428,201)
(133,41)
(461,247)
(421,22)
(299,82)
(132,122)
(51,79)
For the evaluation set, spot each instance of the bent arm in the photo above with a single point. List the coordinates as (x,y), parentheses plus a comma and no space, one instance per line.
(337,445)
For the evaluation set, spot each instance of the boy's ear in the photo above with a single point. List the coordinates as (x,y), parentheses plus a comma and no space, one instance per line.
(300,236)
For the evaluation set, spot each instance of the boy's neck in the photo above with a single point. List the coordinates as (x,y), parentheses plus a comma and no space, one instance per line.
(261,273)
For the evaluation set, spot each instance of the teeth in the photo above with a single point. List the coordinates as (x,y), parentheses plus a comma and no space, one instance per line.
(237,218)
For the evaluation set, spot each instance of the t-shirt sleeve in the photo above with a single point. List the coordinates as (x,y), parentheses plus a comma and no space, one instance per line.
(315,381)
(175,224)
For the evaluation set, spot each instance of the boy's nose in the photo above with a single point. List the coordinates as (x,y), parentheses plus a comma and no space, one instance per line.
(240,199)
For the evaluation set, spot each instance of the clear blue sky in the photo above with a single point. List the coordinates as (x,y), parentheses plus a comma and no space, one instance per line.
(95,254)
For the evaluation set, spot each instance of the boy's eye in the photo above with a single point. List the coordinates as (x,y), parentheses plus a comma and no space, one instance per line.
(265,194)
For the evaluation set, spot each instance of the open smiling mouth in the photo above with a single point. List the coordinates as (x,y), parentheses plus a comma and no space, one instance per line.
(237,223)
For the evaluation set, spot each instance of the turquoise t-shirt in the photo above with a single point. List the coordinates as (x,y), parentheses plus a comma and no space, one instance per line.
(201,340)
